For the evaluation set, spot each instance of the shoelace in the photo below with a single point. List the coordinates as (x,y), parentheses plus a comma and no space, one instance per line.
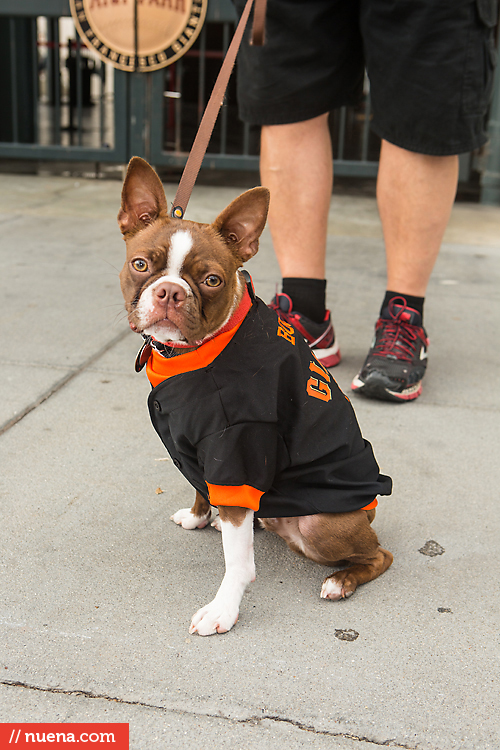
(398,336)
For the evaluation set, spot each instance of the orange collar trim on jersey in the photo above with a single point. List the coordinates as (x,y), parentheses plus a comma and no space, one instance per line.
(159,368)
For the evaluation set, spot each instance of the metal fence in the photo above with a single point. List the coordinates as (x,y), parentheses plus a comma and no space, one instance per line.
(235,145)
(61,102)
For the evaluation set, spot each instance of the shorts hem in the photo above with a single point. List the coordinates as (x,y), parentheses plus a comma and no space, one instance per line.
(289,116)
(282,119)
(452,149)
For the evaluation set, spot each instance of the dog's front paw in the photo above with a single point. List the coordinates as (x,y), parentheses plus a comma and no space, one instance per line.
(335,590)
(188,520)
(216,617)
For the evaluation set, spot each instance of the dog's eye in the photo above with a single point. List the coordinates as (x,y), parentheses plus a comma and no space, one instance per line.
(213,281)
(140,264)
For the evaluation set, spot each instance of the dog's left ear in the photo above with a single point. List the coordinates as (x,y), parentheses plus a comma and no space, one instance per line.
(143,196)
(242,222)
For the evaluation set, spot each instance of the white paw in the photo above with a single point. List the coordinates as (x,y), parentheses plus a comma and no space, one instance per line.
(216,617)
(216,523)
(334,590)
(188,520)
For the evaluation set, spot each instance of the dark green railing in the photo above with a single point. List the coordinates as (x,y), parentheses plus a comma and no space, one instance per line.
(61,102)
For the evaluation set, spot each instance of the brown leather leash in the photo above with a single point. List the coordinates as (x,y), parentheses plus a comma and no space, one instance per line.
(215,102)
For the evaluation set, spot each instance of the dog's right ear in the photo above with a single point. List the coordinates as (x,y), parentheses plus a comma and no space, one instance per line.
(143,197)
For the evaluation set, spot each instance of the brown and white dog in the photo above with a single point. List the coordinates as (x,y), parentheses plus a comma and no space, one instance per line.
(183,287)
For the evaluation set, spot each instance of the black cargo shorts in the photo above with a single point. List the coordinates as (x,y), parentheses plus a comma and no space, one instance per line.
(430,65)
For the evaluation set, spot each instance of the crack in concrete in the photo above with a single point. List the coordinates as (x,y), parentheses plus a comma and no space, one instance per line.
(36,365)
(8,219)
(252,720)
(62,382)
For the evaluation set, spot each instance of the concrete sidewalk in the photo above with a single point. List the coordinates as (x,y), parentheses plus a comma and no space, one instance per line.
(99,585)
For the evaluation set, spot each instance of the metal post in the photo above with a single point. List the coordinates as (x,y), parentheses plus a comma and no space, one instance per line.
(50,62)
(366,128)
(102,103)
(148,104)
(145,104)
(160,104)
(34,73)
(121,115)
(137,103)
(14,83)
(57,82)
(79,102)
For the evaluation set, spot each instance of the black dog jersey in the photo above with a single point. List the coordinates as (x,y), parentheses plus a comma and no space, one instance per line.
(253,420)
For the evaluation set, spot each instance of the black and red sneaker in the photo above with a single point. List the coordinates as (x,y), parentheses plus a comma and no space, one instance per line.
(396,362)
(319,336)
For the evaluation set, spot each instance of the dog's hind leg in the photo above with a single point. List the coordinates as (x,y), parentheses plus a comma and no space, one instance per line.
(344,583)
(347,537)
(196,517)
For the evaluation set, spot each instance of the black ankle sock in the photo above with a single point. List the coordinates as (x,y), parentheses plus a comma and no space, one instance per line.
(308,297)
(417,303)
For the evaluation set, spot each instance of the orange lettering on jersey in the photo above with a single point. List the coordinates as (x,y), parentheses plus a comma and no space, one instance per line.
(286,330)
(318,388)
(317,367)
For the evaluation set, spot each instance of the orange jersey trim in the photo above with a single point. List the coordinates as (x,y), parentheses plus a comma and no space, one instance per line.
(243,496)
(159,368)
(371,505)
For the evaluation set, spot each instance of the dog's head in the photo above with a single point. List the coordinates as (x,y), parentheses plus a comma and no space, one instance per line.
(180,280)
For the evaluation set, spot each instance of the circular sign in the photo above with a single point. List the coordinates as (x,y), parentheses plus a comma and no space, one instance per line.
(139,34)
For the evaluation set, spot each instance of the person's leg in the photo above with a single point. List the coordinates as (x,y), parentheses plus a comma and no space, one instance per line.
(415,195)
(296,165)
(288,95)
(430,76)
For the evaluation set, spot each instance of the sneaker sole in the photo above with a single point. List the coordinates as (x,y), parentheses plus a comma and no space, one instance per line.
(380,392)
(328,357)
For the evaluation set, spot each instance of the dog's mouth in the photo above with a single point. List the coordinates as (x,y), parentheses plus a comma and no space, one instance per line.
(158,324)
(165,331)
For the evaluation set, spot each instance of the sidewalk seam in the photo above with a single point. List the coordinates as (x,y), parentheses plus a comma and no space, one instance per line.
(255,720)
(62,382)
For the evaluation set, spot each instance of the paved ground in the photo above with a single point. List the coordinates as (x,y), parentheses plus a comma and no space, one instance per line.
(99,586)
